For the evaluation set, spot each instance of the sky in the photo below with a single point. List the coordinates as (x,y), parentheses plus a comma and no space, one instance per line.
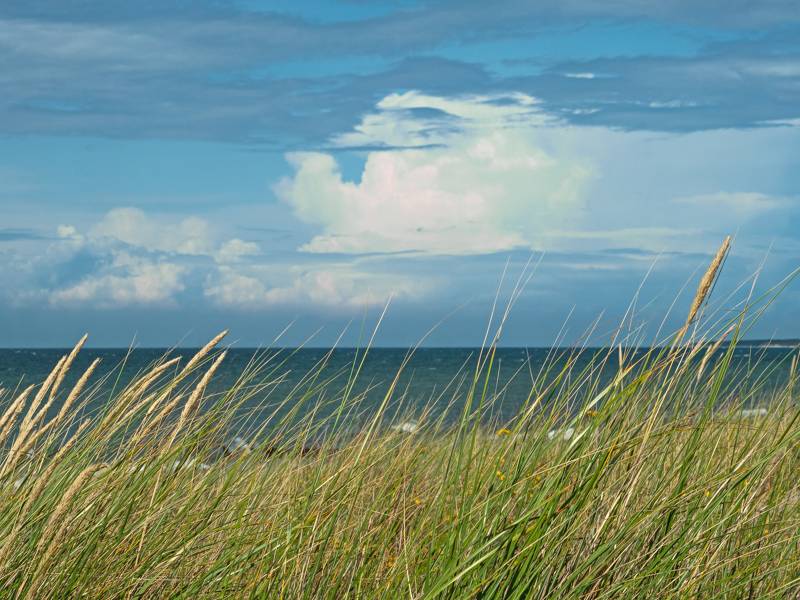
(169,169)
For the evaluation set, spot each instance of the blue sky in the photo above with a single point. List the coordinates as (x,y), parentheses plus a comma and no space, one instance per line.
(171,168)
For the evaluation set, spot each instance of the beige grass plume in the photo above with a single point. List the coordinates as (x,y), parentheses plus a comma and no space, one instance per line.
(57,525)
(28,421)
(52,383)
(37,400)
(130,400)
(194,399)
(47,540)
(62,413)
(76,390)
(157,402)
(187,369)
(202,352)
(39,485)
(12,412)
(65,368)
(191,403)
(706,283)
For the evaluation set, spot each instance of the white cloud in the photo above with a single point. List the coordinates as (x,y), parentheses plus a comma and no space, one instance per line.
(742,204)
(647,239)
(129,280)
(783,122)
(672,104)
(68,232)
(583,75)
(235,250)
(771,67)
(440,119)
(491,187)
(141,259)
(482,174)
(191,235)
(338,286)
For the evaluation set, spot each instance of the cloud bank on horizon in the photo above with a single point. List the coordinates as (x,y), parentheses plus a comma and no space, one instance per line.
(170,166)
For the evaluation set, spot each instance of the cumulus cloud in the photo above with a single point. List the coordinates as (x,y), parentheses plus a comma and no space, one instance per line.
(468,175)
(131,258)
(235,250)
(128,280)
(191,235)
(68,232)
(487,186)
(138,258)
(338,286)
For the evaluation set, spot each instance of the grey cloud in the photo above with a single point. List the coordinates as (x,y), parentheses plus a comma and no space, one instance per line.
(726,86)
(430,15)
(83,68)
(17,235)
(272,113)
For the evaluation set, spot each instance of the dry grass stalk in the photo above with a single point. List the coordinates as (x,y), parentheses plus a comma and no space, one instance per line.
(65,368)
(12,412)
(129,402)
(46,540)
(191,403)
(29,422)
(37,400)
(41,483)
(194,399)
(202,352)
(56,526)
(35,414)
(193,362)
(52,383)
(73,394)
(76,390)
(707,282)
(62,413)
(148,426)
(148,378)
(41,480)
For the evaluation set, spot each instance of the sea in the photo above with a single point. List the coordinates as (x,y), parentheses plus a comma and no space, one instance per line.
(430,377)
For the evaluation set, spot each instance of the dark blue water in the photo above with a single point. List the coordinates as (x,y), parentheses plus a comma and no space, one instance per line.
(433,376)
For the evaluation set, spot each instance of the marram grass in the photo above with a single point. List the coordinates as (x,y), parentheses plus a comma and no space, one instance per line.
(651,484)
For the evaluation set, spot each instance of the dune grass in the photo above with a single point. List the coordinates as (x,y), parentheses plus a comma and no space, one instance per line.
(650,484)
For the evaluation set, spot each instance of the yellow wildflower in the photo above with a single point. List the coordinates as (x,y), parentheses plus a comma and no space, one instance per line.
(500,476)
(503,431)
